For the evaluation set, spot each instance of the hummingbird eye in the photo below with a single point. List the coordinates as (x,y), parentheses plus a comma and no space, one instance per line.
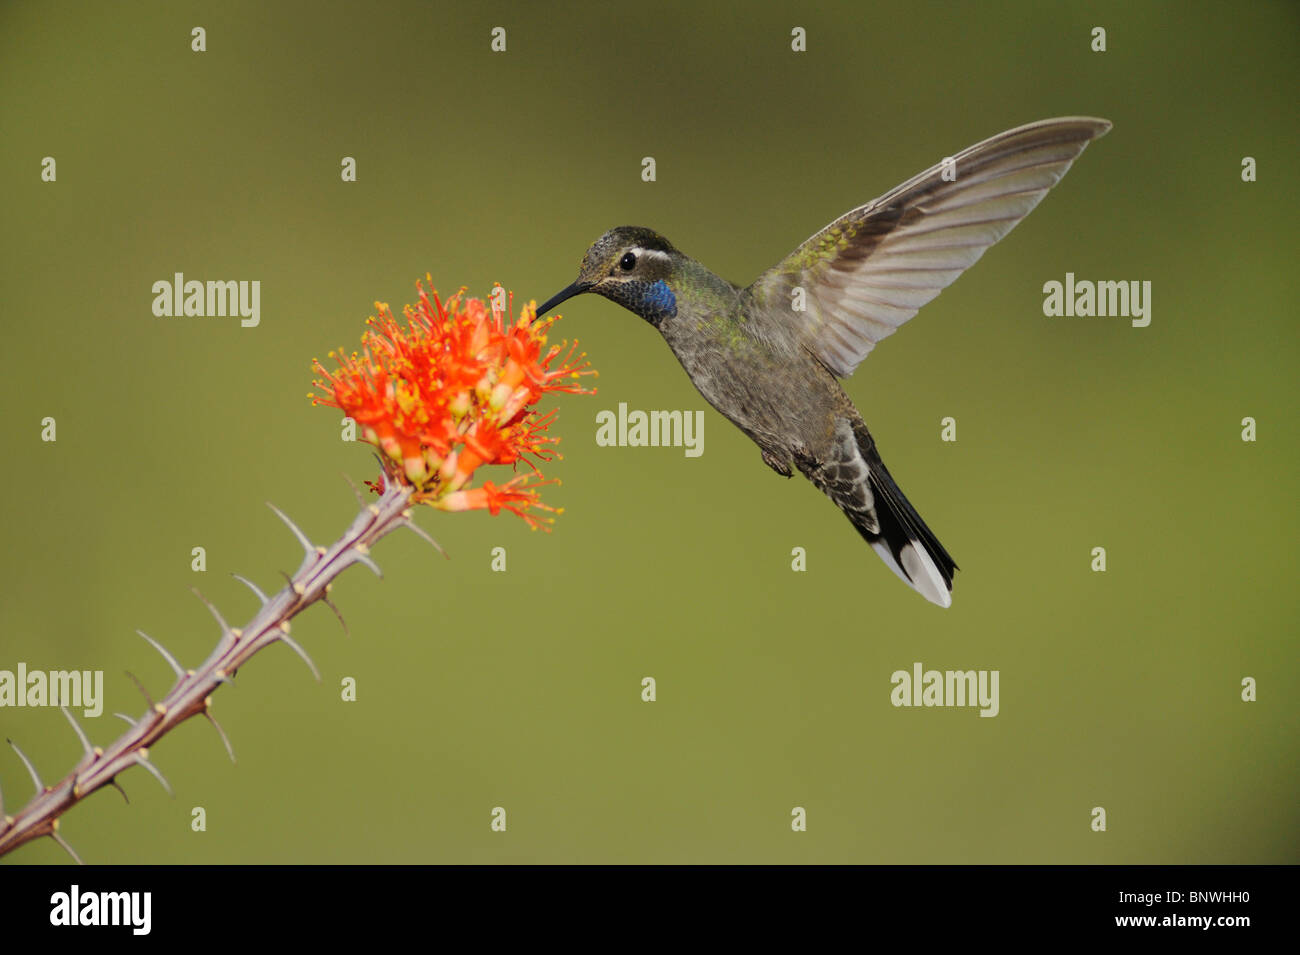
(628,262)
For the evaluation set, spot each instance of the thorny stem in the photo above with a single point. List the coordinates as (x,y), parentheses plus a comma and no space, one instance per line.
(192,692)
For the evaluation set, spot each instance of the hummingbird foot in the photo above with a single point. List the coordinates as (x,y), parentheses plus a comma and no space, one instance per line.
(778,464)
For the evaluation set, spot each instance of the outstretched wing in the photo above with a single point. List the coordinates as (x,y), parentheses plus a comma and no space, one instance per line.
(870,270)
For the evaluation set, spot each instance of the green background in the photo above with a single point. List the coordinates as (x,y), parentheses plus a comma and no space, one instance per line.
(479,689)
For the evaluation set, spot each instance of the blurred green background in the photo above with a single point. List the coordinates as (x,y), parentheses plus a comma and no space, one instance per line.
(479,689)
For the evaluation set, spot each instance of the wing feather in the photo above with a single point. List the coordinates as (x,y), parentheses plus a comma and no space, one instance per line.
(873,268)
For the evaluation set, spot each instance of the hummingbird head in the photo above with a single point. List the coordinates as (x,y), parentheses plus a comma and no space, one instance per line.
(631,266)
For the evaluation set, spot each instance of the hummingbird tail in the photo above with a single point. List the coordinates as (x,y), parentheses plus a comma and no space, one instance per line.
(852,475)
(903,540)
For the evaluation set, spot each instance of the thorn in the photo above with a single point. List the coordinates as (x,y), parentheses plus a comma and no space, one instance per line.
(221,676)
(419,531)
(91,751)
(36,777)
(140,686)
(123,716)
(225,628)
(356,491)
(66,848)
(142,757)
(343,623)
(118,786)
(179,670)
(292,644)
(251,586)
(220,732)
(296,587)
(307,545)
(358,555)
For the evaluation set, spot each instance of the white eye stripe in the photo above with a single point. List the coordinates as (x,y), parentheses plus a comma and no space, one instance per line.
(654,253)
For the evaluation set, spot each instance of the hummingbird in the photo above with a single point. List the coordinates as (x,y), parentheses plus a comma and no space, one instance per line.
(769,357)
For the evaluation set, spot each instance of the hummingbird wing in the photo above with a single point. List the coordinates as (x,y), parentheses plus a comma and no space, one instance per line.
(873,268)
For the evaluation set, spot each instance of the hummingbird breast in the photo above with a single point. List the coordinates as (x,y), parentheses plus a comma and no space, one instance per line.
(767,385)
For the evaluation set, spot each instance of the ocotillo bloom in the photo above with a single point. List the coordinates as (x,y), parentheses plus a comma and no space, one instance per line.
(452,391)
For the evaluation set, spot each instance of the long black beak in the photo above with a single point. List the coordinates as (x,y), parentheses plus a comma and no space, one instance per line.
(577,288)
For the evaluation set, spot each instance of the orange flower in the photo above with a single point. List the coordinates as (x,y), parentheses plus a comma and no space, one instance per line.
(451,392)
(515,495)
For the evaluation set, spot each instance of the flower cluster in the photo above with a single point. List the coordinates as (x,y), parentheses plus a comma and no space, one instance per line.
(453,391)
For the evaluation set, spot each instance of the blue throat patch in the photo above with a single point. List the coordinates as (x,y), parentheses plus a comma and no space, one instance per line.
(659,302)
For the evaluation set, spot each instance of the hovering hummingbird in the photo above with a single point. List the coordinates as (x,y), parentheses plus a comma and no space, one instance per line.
(768,356)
